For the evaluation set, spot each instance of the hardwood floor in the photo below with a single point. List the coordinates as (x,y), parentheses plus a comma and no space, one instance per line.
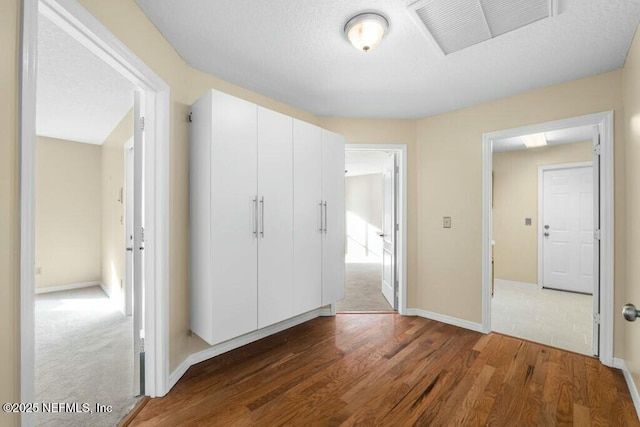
(389,370)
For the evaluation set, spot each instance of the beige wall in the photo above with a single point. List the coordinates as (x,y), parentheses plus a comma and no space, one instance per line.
(631,96)
(364,197)
(450,184)
(113,197)
(515,197)
(68,212)
(9,217)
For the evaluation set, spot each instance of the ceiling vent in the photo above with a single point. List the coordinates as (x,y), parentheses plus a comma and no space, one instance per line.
(457,24)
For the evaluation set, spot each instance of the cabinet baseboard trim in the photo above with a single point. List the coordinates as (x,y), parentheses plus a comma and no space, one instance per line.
(234,343)
(68,287)
(466,324)
(633,390)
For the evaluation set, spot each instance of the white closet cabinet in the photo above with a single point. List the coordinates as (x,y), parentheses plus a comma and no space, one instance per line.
(333,216)
(266,217)
(318,239)
(223,216)
(307,226)
(275,207)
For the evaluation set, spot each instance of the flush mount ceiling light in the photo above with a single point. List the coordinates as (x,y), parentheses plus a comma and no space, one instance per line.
(365,31)
(535,140)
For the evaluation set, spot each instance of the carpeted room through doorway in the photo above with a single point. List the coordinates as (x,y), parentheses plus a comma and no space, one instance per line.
(83,355)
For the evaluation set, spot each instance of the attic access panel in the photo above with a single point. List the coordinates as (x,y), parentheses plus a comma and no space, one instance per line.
(458,24)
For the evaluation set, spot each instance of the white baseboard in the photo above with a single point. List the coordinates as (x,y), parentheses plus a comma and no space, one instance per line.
(633,390)
(466,324)
(526,285)
(68,287)
(234,343)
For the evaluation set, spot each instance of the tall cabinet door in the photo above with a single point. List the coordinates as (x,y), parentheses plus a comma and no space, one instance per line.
(307,206)
(275,224)
(334,217)
(234,237)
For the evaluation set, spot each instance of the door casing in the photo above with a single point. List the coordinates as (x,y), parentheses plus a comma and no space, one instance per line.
(71,17)
(401,200)
(604,122)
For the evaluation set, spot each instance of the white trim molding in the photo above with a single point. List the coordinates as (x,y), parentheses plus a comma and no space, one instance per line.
(72,18)
(604,121)
(401,248)
(48,289)
(234,343)
(631,385)
(455,321)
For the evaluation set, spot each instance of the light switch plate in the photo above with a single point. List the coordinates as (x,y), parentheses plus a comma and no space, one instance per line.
(446,222)
(527,221)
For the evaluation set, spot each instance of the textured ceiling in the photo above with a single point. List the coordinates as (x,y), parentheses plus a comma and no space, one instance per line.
(295,51)
(562,136)
(79,97)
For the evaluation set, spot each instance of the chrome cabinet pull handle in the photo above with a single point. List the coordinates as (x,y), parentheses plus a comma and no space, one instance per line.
(255,217)
(325,217)
(262,217)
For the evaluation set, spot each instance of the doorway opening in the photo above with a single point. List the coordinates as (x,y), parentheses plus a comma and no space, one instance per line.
(375,218)
(548,234)
(151,100)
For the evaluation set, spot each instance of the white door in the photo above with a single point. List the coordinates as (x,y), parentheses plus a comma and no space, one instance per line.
(234,217)
(568,229)
(333,216)
(128,227)
(138,245)
(307,227)
(275,237)
(389,231)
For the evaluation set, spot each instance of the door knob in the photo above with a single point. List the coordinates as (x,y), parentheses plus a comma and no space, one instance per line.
(546,234)
(546,227)
(630,312)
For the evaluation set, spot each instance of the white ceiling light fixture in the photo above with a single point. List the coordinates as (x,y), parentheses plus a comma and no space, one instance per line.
(535,140)
(366,30)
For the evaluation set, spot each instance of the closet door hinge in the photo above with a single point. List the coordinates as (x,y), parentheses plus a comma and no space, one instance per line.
(596,318)
(596,234)
(142,123)
(596,150)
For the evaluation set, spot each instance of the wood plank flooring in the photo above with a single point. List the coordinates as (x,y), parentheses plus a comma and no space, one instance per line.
(390,370)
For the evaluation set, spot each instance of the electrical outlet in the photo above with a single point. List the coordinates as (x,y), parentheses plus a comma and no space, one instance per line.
(38,270)
(446,222)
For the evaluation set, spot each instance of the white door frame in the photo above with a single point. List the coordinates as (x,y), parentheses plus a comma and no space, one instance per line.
(71,17)
(541,171)
(401,244)
(604,121)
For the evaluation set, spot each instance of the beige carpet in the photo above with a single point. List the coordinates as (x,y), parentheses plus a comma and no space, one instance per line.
(363,288)
(83,355)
